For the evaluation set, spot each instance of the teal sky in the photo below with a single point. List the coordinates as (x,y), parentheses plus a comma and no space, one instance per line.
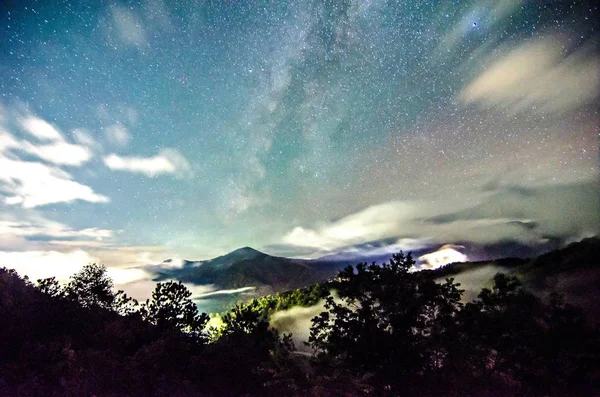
(135,131)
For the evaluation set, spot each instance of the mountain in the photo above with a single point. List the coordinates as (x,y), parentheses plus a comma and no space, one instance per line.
(246,267)
(573,271)
(242,268)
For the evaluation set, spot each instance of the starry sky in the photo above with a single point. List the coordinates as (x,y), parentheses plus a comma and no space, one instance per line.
(132,132)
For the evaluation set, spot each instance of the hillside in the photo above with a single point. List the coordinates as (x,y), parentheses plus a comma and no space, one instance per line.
(67,342)
(571,271)
(242,268)
(249,267)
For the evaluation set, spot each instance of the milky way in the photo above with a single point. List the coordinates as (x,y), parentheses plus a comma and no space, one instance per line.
(135,131)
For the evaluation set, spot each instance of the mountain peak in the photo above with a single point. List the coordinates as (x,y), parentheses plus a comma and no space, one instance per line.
(245,251)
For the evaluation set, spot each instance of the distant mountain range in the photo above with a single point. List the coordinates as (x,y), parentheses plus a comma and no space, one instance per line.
(248,267)
(572,271)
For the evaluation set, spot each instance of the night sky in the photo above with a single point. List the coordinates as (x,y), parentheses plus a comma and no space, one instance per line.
(134,132)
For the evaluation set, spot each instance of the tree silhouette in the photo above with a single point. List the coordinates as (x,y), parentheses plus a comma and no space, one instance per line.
(91,286)
(391,331)
(124,304)
(171,308)
(50,286)
(387,320)
(508,333)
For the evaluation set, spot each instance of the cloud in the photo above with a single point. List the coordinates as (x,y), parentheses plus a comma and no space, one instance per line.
(33,184)
(537,76)
(58,151)
(482,217)
(129,26)
(223,292)
(372,223)
(59,263)
(168,161)
(472,281)
(61,153)
(139,285)
(39,248)
(42,264)
(42,227)
(126,276)
(117,134)
(7,141)
(493,12)
(85,138)
(41,129)
(55,150)
(297,321)
(446,254)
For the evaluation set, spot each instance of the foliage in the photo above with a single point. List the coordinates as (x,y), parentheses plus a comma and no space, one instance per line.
(91,286)
(508,333)
(172,308)
(301,297)
(50,286)
(390,332)
(387,322)
(52,345)
(400,331)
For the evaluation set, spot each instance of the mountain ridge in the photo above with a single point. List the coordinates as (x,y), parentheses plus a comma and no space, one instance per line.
(270,274)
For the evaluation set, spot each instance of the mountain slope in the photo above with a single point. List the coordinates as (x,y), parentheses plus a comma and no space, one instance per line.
(242,268)
(573,271)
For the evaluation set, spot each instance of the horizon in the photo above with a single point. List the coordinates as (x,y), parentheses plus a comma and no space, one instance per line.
(130,134)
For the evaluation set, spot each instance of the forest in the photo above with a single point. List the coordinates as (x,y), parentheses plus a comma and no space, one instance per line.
(385,331)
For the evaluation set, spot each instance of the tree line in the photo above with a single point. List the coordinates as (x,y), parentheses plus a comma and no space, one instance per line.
(389,331)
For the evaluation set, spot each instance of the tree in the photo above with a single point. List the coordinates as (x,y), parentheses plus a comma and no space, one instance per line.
(91,286)
(171,308)
(50,286)
(250,319)
(124,304)
(388,322)
(509,333)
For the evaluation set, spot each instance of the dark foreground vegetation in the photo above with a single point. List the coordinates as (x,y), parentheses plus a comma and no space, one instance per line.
(390,332)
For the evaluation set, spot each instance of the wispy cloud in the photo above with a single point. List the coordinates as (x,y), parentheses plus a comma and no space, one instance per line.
(537,76)
(117,134)
(37,226)
(224,292)
(58,151)
(475,218)
(129,26)
(85,138)
(41,129)
(484,14)
(39,247)
(31,184)
(168,161)
(36,183)
(61,153)
(124,264)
